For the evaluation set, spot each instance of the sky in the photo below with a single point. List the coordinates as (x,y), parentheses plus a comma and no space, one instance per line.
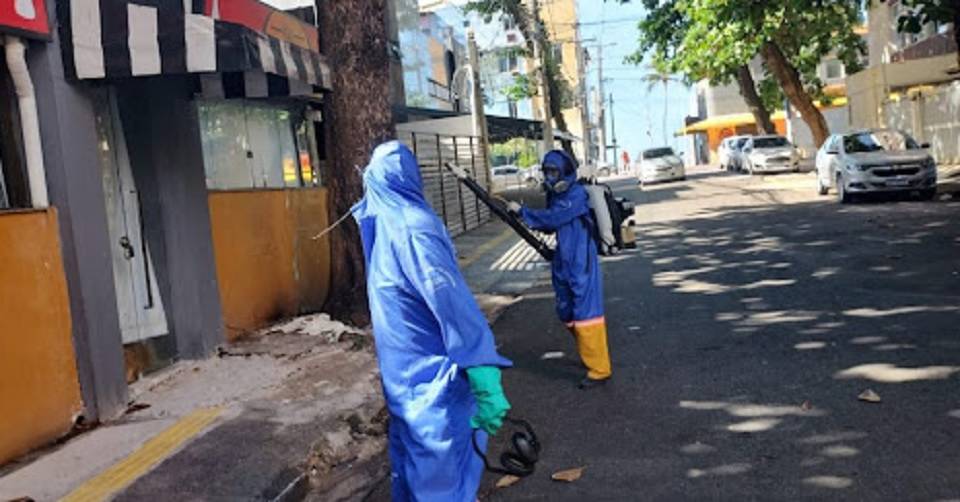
(638,112)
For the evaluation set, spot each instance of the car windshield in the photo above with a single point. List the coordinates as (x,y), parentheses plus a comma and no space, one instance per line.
(875,141)
(774,142)
(655,153)
(505,170)
(740,143)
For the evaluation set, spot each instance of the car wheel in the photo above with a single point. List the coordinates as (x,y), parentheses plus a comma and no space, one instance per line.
(843,196)
(821,190)
(928,194)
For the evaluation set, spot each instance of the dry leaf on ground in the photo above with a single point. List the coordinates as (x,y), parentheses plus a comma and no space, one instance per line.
(508,480)
(806,406)
(568,476)
(869,396)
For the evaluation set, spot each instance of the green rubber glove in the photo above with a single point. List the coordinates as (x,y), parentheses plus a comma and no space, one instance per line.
(492,405)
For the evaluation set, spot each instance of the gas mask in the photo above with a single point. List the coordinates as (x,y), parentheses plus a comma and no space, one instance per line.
(553,180)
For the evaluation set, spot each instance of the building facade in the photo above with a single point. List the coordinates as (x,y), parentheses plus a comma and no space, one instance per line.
(162,167)
(911,82)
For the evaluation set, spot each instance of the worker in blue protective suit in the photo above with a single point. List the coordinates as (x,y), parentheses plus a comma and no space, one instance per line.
(438,363)
(577,279)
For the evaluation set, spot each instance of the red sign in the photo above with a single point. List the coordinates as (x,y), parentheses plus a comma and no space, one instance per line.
(27,18)
(266,20)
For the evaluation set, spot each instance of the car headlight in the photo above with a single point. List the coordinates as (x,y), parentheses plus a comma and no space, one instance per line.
(929,163)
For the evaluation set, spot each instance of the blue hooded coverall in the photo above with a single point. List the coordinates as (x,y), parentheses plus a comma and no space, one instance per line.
(577,279)
(428,330)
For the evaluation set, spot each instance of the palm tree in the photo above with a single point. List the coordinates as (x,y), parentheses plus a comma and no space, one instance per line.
(658,75)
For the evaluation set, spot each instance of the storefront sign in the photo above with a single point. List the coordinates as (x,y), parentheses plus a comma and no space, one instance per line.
(265,20)
(27,18)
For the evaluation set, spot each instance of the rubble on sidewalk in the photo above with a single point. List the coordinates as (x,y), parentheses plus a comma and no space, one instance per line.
(302,405)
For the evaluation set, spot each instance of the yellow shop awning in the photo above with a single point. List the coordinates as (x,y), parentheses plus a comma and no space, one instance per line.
(742,119)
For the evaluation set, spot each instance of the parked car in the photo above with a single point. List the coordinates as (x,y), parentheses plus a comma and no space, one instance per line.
(736,153)
(660,164)
(507,176)
(761,154)
(727,151)
(875,160)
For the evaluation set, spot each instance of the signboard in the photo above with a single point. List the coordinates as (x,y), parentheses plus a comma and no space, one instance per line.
(27,18)
(265,20)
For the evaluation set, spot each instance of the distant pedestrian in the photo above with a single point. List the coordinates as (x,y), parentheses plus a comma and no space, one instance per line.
(626,161)
(438,362)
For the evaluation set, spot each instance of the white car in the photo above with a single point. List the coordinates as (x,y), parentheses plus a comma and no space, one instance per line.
(875,160)
(660,164)
(763,154)
(728,151)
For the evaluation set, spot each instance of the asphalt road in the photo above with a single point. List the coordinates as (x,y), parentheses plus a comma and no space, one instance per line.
(742,331)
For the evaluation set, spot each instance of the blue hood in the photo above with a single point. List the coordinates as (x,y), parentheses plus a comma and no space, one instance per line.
(390,181)
(567,165)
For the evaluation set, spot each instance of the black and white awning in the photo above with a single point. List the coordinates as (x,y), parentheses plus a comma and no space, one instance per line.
(122,38)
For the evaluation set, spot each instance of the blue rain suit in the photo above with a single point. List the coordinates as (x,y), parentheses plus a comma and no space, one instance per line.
(577,279)
(428,330)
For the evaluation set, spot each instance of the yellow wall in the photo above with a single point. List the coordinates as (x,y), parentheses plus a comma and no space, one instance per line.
(560,19)
(268,267)
(39,389)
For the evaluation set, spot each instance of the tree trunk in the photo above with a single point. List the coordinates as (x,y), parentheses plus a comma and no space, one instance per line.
(792,86)
(956,31)
(748,89)
(358,116)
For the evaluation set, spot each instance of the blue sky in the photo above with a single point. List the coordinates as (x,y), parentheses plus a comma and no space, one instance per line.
(639,113)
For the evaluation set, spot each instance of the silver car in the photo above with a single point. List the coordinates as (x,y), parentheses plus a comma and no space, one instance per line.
(660,164)
(875,160)
(727,151)
(762,154)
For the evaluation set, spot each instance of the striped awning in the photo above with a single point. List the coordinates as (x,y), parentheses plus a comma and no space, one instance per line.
(105,39)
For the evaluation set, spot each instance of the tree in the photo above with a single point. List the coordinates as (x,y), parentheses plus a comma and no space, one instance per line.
(354,38)
(921,12)
(660,75)
(531,27)
(718,37)
(662,33)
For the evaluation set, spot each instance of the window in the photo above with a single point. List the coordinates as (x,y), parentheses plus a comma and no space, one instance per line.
(508,23)
(252,145)
(770,142)
(504,64)
(557,52)
(834,69)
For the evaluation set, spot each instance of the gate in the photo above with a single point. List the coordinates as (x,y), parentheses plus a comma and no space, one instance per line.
(459,208)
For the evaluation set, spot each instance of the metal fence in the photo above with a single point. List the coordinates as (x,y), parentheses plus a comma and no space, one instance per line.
(931,115)
(460,209)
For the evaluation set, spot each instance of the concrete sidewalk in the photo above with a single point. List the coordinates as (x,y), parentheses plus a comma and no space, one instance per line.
(296,408)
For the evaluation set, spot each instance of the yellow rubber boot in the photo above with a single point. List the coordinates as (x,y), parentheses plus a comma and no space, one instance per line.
(592,344)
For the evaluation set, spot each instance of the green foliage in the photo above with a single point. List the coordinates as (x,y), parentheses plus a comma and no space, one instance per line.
(921,12)
(710,39)
(517,151)
(523,87)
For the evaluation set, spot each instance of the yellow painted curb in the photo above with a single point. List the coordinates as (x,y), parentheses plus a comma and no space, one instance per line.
(486,246)
(154,451)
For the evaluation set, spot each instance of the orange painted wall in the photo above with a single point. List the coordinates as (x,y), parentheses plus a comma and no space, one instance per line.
(716,135)
(268,267)
(39,388)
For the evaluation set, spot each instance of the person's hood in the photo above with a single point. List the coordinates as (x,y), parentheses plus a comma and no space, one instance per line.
(390,181)
(565,161)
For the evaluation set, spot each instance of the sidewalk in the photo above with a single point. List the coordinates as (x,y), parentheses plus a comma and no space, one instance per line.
(296,408)
(294,411)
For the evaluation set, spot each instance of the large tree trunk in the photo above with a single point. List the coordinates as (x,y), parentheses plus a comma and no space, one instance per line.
(956,31)
(354,38)
(748,89)
(792,86)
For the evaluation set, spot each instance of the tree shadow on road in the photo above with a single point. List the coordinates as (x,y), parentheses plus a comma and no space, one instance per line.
(741,339)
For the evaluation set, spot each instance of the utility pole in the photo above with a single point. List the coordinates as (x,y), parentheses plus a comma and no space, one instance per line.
(476,99)
(582,57)
(601,112)
(538,56)
(613,132)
